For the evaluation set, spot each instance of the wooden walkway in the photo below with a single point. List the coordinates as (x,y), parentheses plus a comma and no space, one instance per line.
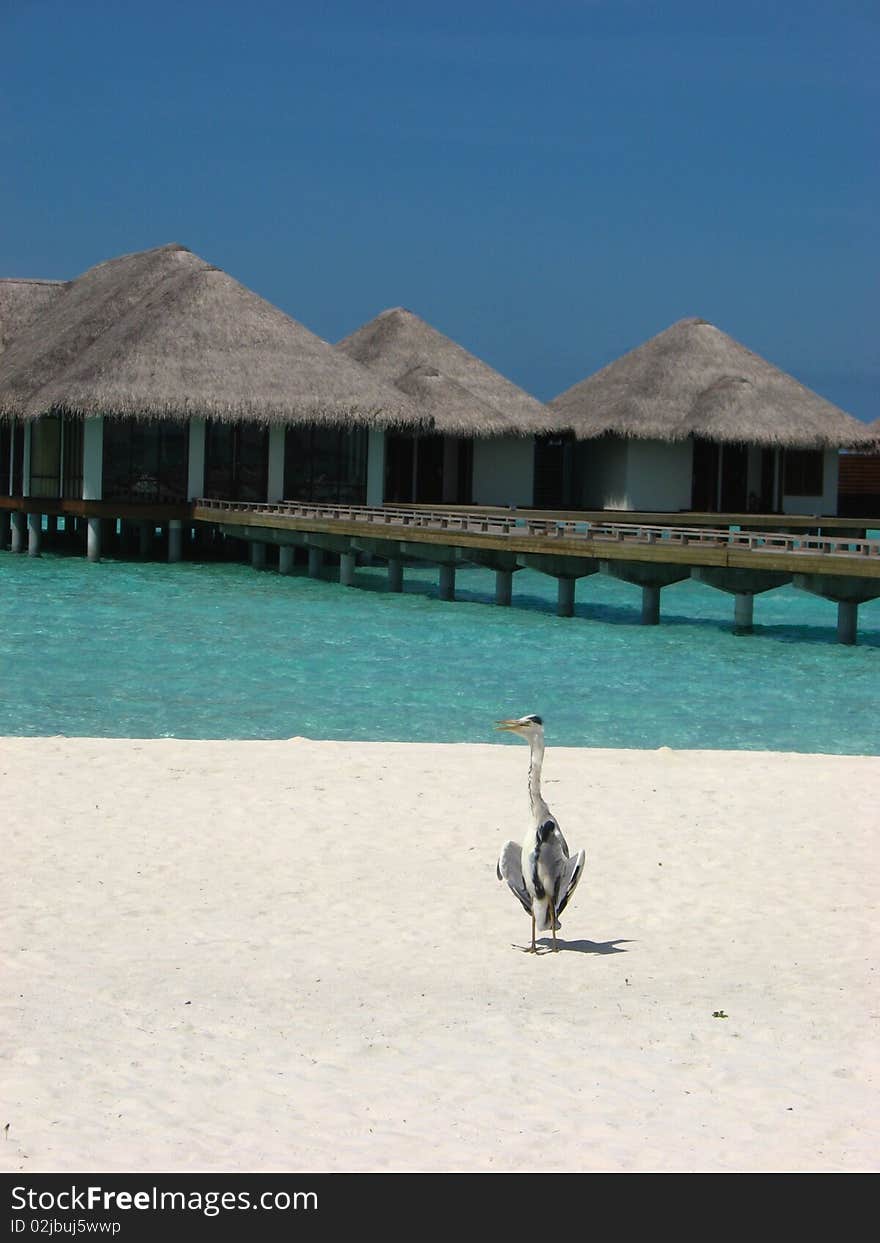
(842,568)
(780,551)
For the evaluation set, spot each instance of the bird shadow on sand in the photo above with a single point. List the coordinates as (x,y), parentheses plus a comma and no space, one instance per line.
(545,946)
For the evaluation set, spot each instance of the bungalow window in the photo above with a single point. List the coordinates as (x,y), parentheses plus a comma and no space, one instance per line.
(46,456)
(236,461)
(72,456)
(5,457)
(56,463)
(144,460)
(11,457)
(803,471)
(326,464)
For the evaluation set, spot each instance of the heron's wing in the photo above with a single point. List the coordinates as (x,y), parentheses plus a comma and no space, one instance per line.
(510,869)
(562,842)
(569,875)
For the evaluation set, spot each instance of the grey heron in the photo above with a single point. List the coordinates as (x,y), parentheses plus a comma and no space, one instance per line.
(540,870)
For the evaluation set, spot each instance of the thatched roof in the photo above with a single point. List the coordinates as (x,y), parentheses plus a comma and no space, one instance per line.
(460,394)
(21,302)
(694,380)
(163,334)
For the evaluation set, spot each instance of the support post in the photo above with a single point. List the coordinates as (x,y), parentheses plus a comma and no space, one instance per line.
(316,560)
(503,586)
(175,540)
(286,554)
(847,622)
(395,574)
(650,605)
(447,582)
(346,568)
(35,534)
(743,585)
(19,526)
(93,539)
(566,570)
(258,554)
(565,597)
(743,612)
(848,592)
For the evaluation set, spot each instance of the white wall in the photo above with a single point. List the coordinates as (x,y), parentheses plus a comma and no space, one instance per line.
(504,471)
(827,502)
(26,459)
(275,474)
(658,475)
(93,458)
(375,467)
(195,483)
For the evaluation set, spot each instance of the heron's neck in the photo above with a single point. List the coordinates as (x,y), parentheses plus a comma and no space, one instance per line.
(540,810)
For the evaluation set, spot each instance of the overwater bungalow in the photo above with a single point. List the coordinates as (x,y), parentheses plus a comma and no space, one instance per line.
(155,378)
(692,420)
(478,432)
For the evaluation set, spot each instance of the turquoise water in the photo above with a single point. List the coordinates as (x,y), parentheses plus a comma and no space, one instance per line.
(224,651)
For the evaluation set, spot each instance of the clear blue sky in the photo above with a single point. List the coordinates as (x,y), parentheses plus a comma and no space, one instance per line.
(548,183)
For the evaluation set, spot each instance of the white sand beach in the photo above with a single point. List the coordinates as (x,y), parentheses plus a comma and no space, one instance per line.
(270,956)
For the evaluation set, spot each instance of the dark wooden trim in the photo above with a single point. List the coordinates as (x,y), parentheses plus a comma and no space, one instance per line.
(129,510)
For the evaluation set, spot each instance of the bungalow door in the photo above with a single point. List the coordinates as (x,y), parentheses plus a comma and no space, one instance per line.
(704,477)
(554,472)
(734,479)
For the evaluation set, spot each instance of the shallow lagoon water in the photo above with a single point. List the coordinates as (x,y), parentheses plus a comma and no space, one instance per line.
(130,649)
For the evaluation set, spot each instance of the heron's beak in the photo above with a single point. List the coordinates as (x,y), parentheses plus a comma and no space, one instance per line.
(510,725)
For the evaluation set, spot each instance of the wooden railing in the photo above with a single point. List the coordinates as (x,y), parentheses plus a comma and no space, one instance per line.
(591,533)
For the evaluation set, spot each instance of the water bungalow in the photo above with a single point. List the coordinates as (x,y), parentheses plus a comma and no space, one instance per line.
(155,378)
(479,446)
(155,392)
(692,420)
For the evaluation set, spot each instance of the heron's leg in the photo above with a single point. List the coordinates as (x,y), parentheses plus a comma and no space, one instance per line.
(553,925)
(534,947)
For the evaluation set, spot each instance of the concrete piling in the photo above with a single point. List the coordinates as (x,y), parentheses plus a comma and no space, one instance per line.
(35,534)
(347,562)
(19,527)
(395,574)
